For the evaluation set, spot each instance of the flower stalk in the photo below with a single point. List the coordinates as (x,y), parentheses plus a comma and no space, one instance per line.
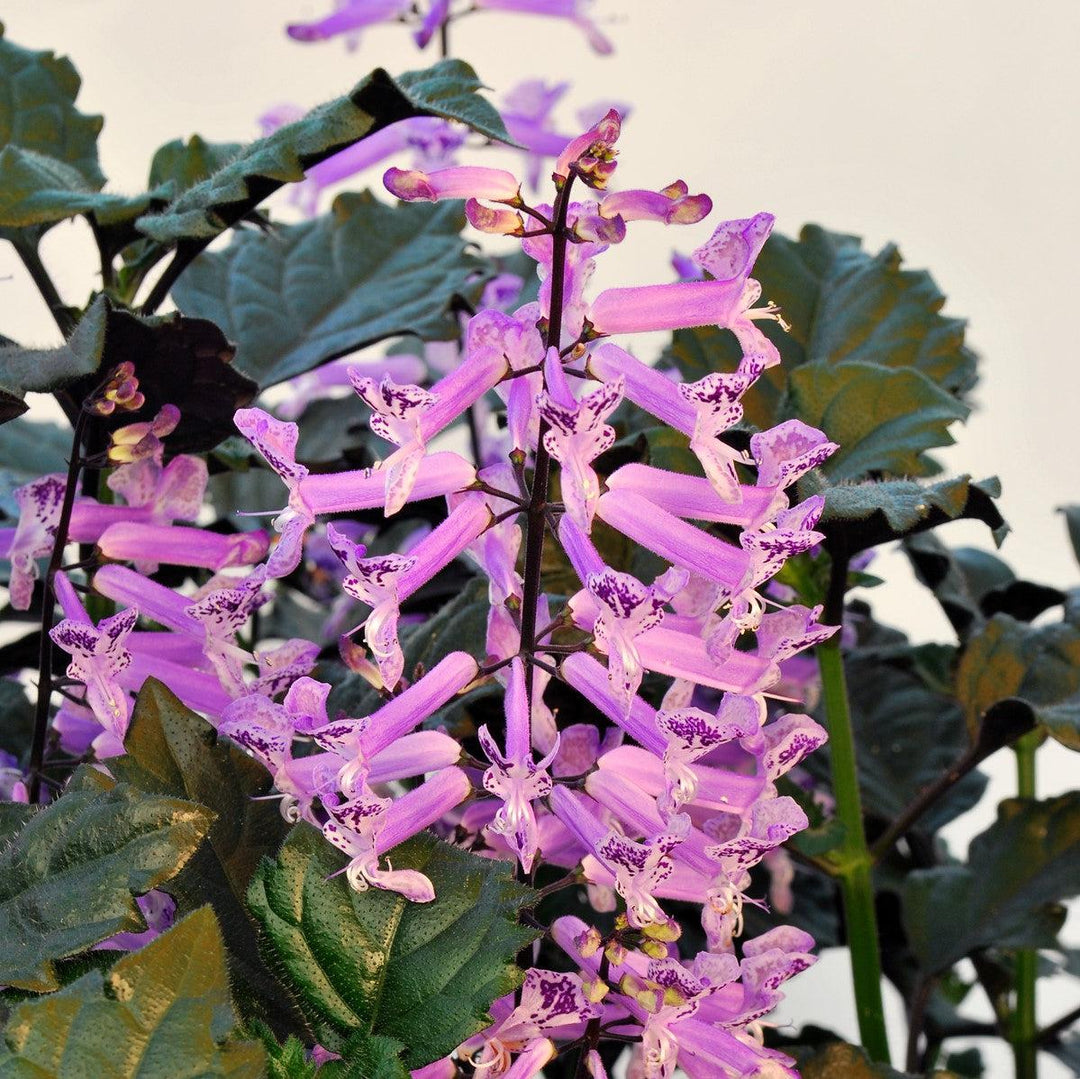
(1024,1029)
(856,864)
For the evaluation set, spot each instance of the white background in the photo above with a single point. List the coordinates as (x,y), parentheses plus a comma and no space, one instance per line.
(945,125)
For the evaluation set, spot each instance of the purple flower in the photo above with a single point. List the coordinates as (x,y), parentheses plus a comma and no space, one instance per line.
(514,776)
(571,10)
(97,655)
(576,436)
(349,17)
(368,826)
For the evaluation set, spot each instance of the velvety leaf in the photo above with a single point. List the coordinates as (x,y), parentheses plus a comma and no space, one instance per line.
(368,1057)
(859,516)
(1036,666)
(883,418)
(311,292)
(159,1013)
(288,1061)
(1018,870)
(422,973)
(26,370)
(173,751)
(13,815)
(68,879)
(447,89)
(459,626)
(182,361)
(181,165)
(37,110)
(36,190)
(336,430)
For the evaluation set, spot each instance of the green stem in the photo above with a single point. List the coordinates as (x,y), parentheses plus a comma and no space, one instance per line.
(854,874)
(1024,1030)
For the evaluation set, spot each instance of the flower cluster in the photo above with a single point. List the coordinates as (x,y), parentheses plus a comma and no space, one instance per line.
(662,789)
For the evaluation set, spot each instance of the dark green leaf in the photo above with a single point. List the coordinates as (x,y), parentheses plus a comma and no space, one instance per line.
(173,751)
(13,815)
(186,362)
(367,1057)
(883,418)
(183,164)
(26,370)
(37,109)
(37,190)
(859,516)
(959,579)
(447,89)
(159,1013)
(1033,666)
(68,879)
(311,292)
(288,1061)
(423,973)
(1006,896)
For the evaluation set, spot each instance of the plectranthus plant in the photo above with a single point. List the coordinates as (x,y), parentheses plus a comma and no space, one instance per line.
(493,703)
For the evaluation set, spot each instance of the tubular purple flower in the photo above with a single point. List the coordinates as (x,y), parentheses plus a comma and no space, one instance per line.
(788,451)
(173,546)
(323,381)
(436,15)
(672,538)
(719,789)
(197,689)
(155,601)
(343,492)
(413,755)
(591,680)
(672,205)
(694,497)
(384,581)
(98,656)
(350,16)
(647,387)
(571,10)
(576,436)
(515,777)
(638,868)
(459,182)
(726,300)
(39,505)
(368,827)
(370,736)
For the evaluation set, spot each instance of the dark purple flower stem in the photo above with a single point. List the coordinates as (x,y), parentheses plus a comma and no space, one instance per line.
(45,644)
(536,512)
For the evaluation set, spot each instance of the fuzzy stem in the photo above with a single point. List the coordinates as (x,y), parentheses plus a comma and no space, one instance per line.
(856,885)
(536,512)
(45,645)
(1024,1030)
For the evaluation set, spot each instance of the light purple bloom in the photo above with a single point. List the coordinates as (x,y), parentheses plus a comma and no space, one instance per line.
(514,776)
(576,436)
(368,826)
(349,17)
(97,655)
(726,300)
(574,11)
